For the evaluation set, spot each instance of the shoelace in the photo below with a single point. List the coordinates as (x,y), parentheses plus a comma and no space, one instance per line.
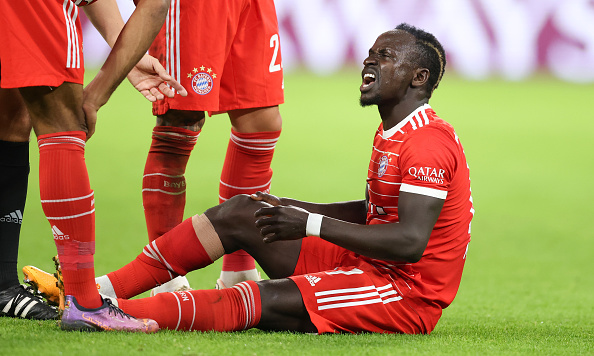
(117,311)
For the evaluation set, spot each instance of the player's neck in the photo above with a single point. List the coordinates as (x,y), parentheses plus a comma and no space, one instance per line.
(392,115)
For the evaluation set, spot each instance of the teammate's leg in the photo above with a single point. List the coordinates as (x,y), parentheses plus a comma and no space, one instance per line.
(14,165)
(164,184)
(15,301)
(66,195)
(254,134)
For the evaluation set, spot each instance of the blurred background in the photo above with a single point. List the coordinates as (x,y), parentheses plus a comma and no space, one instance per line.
(511,39)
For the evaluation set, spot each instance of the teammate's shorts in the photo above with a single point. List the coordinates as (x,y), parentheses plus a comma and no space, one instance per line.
(345,292)
(40,43)
(226,53)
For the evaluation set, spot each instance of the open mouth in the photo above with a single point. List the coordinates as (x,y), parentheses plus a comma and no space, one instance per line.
(368,80)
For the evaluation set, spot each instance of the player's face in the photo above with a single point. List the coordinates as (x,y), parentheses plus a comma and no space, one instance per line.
(387,71)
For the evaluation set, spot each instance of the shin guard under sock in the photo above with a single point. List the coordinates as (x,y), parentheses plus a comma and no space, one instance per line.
(69,205)
(191,245)
(231,309)
(246,171)
(163,183)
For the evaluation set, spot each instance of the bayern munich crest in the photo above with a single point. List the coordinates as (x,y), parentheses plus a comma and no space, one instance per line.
(202,83)
(383,166)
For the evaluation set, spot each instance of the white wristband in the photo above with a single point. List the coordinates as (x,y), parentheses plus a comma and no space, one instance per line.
(314,224)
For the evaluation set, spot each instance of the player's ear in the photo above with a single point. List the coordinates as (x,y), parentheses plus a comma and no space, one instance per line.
(420,77)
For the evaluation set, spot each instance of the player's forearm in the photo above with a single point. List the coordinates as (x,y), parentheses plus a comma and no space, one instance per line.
(105,16)
(389,242)
(132,43)
(351,211)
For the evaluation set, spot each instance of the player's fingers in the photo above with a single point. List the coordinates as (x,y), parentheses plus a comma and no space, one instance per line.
(177,87)
(264,221)
(91,123)
(147,94)
(269,234)
(267,198)
(166,90)
(157,94)
(265,211)
(90,119)
(270,238)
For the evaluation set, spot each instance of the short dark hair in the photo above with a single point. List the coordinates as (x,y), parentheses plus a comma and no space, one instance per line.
(430,54)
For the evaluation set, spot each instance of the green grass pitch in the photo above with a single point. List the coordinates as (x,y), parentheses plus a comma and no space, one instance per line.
(528,285)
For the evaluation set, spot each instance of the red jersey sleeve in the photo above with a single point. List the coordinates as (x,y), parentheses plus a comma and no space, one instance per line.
(428,162)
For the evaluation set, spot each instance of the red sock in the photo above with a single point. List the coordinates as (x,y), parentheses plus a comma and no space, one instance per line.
(69,205)
(246,171)
(231,309)
(163,183)
(191,245)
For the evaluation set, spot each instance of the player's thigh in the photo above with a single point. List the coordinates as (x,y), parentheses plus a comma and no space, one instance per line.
(357,298)
(56,109)
(256,119)
(234,223)
(14,118)
(253,74)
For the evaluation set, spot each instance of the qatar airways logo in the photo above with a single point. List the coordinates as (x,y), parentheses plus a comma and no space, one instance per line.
(427,174)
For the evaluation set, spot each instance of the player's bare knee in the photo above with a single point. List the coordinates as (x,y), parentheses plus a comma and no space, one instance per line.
(256,119)
(55,109)
(187,119)
(14,118)
(234,221)
(236,209)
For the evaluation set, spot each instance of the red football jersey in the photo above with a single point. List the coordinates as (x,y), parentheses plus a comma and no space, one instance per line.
(423,155)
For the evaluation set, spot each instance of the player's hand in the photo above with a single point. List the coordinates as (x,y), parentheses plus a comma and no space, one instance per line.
(92,101)
(267,198)
(281,223)
(151,79)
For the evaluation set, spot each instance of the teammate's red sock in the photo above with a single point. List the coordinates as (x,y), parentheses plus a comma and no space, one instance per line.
(69,205)
(231,309)
(246,171)
(191,245)
(163,183)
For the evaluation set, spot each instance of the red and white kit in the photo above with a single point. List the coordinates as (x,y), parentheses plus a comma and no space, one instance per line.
(346,292)
(228,60)
(41,43)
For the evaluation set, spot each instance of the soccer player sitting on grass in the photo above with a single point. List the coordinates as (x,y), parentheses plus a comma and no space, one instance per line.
(388,263)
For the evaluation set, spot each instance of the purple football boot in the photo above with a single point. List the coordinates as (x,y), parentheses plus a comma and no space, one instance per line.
(106,317)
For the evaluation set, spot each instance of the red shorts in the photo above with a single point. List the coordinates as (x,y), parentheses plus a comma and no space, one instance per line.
(344,292)
(225,53)
(41,43)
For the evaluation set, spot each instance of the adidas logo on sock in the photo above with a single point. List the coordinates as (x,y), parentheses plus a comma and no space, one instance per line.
(312,279)
(15,217)
(59,235)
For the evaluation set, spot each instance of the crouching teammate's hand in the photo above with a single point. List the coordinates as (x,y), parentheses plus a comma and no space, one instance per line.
(152,80)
